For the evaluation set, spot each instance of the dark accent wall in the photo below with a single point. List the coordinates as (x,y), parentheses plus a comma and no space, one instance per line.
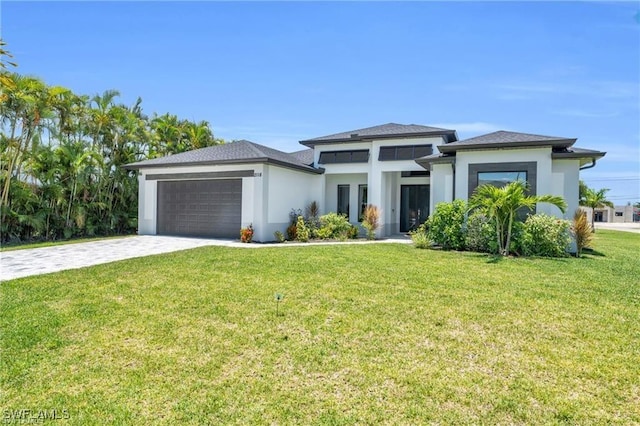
(351,156)
(531,167)
(404,152)
(202,175)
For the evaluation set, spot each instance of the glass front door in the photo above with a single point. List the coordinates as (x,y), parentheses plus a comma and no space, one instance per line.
(414,206)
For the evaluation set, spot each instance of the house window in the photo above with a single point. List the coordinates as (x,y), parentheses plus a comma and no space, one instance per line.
(500,179)
(343,200)
(362,200)
(619,214)
(404,152)
(500,174)
(336,157)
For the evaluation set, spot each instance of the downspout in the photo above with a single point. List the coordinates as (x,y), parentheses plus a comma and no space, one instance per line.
(593,164)
(453,168)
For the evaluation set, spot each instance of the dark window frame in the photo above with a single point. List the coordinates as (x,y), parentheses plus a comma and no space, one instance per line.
(344,157)
(342,210)
(530,167)
(391,153)
(363,199)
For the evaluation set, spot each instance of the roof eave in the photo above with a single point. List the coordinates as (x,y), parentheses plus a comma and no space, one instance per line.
(561,143)
(308,169)
(313,142)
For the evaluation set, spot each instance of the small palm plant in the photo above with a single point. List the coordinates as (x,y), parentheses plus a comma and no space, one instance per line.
(595,199)
(581,231)
(502,204)
(371,220)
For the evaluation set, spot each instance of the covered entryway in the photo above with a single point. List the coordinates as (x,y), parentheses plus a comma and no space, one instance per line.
(200,208)
(414,206)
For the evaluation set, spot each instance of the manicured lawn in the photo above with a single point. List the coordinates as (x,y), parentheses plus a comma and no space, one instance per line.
(367,334)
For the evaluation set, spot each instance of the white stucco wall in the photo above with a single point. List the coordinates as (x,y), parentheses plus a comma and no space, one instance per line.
(287,189)
(331,192)
(441,185)
(566,174)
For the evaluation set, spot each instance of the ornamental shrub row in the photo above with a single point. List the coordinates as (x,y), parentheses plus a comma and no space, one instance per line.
(452,229)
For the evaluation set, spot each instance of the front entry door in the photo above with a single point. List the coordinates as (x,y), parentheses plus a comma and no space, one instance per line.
(414,206)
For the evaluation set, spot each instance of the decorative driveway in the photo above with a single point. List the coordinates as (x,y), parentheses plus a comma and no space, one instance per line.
(27,262)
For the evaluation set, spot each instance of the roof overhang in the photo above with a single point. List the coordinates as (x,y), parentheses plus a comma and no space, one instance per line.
(453,147)
(428,161)
(261,160)
(449,135)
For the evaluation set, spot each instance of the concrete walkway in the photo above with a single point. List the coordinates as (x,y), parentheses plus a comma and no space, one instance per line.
(28,262)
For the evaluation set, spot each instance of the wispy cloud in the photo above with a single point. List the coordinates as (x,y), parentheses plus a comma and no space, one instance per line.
(584,113)
(471,127)
(595,89)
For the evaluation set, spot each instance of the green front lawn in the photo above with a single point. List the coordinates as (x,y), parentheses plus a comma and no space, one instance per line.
(367,334)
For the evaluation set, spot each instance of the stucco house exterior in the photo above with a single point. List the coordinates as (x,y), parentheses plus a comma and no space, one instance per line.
(405,170)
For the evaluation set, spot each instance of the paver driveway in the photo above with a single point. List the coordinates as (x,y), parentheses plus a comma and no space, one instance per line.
(24,263)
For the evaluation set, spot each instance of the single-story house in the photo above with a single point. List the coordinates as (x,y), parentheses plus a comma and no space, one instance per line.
(405,170)
(617,214)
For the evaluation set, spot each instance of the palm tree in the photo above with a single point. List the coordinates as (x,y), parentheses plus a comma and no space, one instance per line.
(595,199)
(502,204)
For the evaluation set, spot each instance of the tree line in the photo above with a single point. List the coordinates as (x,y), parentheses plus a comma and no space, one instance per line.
(62,153)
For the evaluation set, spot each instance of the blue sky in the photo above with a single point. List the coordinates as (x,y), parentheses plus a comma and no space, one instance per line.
(276,73)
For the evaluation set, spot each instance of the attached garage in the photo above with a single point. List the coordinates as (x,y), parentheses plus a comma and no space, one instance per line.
(200,208)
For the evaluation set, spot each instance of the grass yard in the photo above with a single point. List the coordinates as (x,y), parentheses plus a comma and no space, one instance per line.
(368,334)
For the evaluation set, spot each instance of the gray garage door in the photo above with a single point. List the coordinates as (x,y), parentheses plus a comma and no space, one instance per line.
(202,208)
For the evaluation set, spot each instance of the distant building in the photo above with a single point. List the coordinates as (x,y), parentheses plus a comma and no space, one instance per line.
(617,214)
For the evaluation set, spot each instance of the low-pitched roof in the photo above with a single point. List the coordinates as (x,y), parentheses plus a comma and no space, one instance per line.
(504,139)
(384,131)
(304,156)
(238,152)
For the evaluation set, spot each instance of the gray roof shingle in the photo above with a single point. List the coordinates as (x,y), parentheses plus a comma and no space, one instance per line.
(388,130)
(237,152)
(304,156)
(506,139)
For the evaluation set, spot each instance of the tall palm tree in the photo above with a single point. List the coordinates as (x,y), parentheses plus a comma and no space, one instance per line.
(502,204)
(595,199)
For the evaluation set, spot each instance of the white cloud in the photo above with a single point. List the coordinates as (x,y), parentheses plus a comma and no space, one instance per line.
(585,114)
(597,89)
(472,127)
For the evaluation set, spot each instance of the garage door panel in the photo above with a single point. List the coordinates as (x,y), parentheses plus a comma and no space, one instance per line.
(208,208)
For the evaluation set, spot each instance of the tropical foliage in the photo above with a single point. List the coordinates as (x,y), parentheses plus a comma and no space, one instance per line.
(581,231)
(546,236)
(371,220)
(62,154)
(501,205)
(445,227)
(595,199)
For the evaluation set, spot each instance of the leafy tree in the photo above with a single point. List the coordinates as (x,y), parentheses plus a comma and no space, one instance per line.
(596,199)
(502,204)
(61,157)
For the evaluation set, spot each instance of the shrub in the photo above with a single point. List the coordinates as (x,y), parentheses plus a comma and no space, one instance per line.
(292,232)
(370,220)
(246,234)
(293,216)
(311,213)
(581,230)
(420,238)
(446,225)
(302,232)
(545,235)
(279,236)
(333,225)
(353,232)
(481,234)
